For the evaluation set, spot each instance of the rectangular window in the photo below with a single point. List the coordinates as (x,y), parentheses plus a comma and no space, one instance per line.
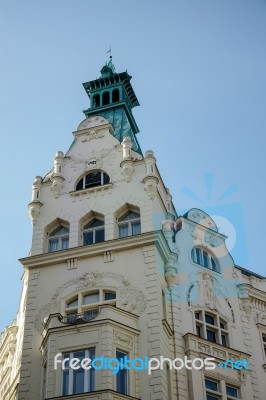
(198,330)
(232,391)
(79,380)
(122,375)
(211,335)
(224,342)
(211,385)
(135,228)
(209,319)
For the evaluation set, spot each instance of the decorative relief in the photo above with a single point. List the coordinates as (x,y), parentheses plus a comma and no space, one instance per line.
(94,159)
(130,297)
(218,353)
(92,135)
(204,347)
(123,338)
(92,122)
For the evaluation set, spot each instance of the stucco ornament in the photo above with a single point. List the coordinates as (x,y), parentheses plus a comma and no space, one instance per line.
(129,297)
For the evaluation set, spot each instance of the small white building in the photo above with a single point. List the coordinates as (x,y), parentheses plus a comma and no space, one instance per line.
(113,272)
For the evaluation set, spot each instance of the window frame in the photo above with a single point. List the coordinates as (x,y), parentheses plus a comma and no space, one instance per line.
(219,327)
(83,307)
(60,237)
(89,374)
(125,372)
(93,230)
(221,392)
(204,258)
(122,222)
(104,176)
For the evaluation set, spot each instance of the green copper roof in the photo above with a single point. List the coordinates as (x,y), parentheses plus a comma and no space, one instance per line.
(113,97)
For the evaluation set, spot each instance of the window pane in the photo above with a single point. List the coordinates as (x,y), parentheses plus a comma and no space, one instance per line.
(80,185)
(205,259)
(211,336)
(123,230)
(223,337)
(231,391)
(214,266)
(65,243)
(78,381)
(65,382)
(93,179)
(197,315)
(94,224)
(91,298)
(99,235)
(129,216)
(121,376)
(198,256)
(53,245)
(106,178)
(209,397)
(209,319)
(72,303)
(135,228)
(109,296)
(61,230)
(198,332)
(88,238)
(211,385)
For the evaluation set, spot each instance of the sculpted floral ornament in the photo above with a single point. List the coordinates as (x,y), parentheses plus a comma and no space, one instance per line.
(129,297)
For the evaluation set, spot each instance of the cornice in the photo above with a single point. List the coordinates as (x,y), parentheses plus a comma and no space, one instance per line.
(81,252)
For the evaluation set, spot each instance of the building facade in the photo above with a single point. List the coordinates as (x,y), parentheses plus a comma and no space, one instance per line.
(114,273)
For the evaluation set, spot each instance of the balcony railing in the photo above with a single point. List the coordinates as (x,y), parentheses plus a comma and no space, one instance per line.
(80,318)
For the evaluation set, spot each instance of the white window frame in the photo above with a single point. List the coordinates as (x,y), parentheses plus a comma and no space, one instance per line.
(93,230)
(81,307)
(128,223)
(216,327)
(210,259)
(93,186)
(59,238)
(87,374)
(221,393)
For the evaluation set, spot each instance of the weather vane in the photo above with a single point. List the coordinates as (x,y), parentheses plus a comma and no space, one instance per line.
(109,51)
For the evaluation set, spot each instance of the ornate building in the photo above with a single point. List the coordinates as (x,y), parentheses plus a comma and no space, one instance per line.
(113,272)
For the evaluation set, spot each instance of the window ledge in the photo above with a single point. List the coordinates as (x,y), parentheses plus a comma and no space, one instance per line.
(96,395)
(102,189)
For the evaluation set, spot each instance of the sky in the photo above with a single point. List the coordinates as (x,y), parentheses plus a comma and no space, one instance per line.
(198,69)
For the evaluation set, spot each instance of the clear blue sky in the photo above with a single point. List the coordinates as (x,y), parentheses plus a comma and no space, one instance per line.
(199,72)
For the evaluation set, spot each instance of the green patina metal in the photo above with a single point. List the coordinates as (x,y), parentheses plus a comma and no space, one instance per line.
(113,97)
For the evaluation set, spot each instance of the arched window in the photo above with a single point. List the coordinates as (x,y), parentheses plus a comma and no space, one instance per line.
(96,100)
(58,239)
(202,257)
(129,224)
(93,232)
(97,178)
(89,300)
(115,96)
(212,327)
(106,98)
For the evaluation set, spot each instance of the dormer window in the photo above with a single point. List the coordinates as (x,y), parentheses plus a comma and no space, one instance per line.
(204,258)
(58,239)
(93,179)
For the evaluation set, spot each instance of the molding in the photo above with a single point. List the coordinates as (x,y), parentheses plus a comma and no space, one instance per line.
(130,242)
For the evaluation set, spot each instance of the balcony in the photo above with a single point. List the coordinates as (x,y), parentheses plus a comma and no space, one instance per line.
(97,395)
(195,345)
